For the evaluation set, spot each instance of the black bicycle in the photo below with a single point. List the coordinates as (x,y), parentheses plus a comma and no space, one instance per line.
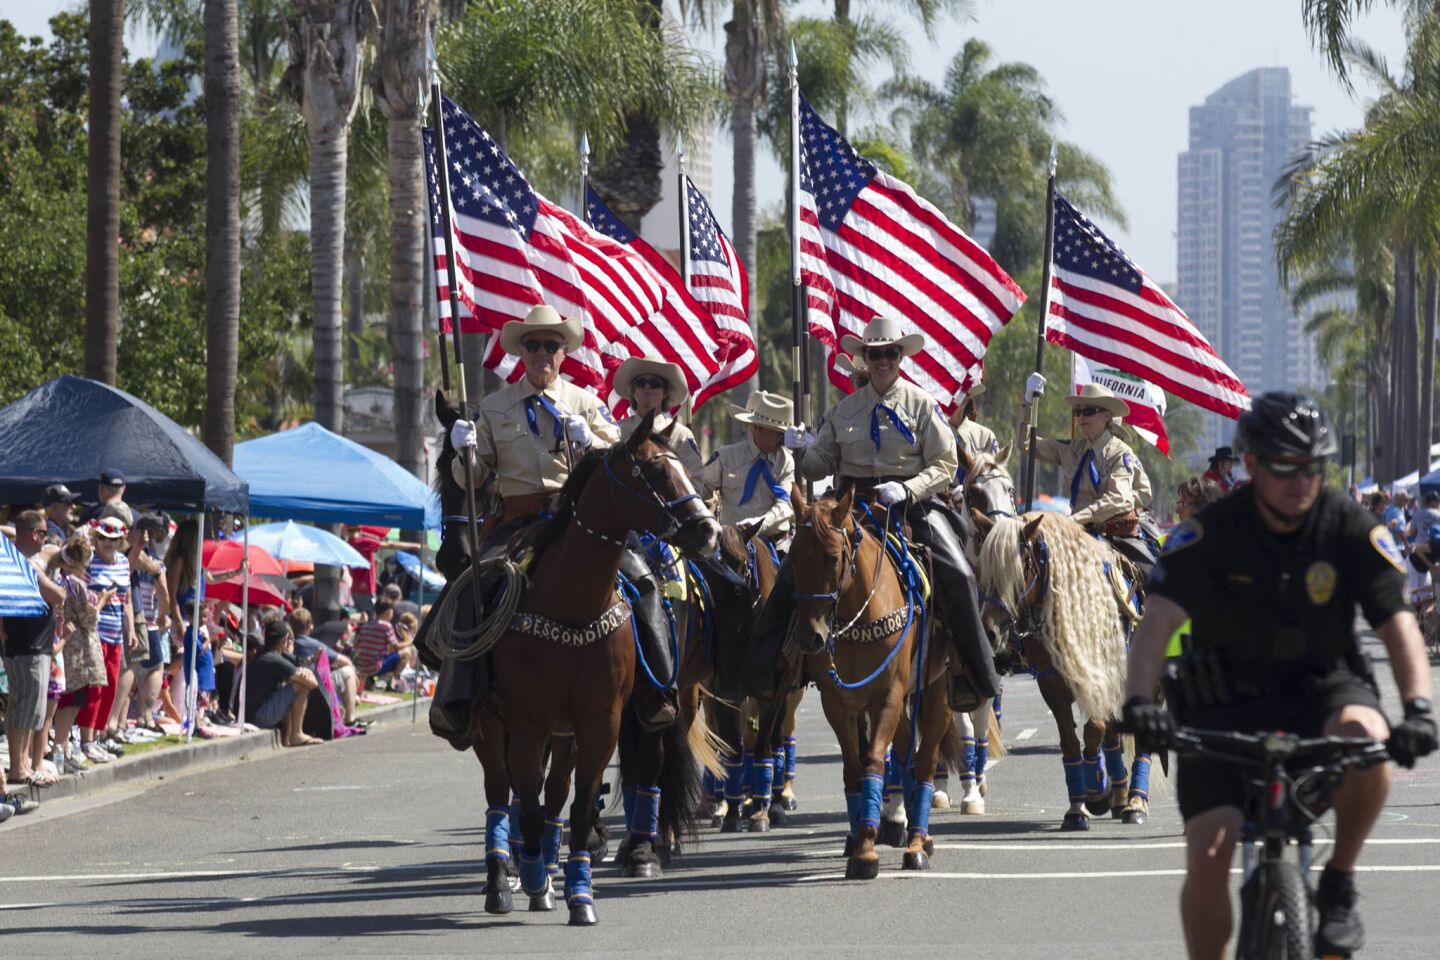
(1290,783)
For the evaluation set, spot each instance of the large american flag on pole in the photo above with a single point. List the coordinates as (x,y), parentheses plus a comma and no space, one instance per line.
(870,245)
(515,249)
(1104,307)
(717,279)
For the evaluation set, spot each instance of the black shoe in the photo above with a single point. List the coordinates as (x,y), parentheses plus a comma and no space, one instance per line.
(1340,929)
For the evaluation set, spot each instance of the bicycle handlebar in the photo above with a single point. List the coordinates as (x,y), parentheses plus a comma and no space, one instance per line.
(1259,749)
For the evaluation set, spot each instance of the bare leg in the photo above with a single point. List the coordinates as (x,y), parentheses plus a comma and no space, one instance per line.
(120,711)
(39,744)
(1361,795)
(64,720)
(19,741)
(150,694)
(1205,897)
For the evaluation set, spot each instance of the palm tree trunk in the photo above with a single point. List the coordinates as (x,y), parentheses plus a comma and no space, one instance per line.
(222,224)
(354,303)
(407,282)
(327,270)
(842,109)
(1407,371)
(102,224)
(745,84)
(1427,366)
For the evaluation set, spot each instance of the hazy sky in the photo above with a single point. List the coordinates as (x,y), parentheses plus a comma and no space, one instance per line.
(1124,72)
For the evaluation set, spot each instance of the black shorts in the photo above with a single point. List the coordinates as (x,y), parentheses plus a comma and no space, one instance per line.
(1204,783)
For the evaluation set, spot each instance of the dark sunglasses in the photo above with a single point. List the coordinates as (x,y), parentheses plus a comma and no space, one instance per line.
(535,346)
(648,383)
(1289,468)
(882,353)
(1088,411)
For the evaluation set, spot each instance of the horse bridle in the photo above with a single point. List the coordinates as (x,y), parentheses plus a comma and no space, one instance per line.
(667,507)
(849,562)
(1025,619)
(980,480)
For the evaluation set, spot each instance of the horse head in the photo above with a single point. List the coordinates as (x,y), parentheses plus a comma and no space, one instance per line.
(822,557)
(988,486)
(1011,571)
(660,497)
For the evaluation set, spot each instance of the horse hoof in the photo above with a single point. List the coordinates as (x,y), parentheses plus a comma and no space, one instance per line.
(975,807)
(498,899)
(1134,817)
(858,869)
(777,814)
(891,834)
(542,902)
(583,915)
(627,847)
(914,861)
(1099,804)
(759,825)
(929,847)
(1075,821)
(849,847)
(791,803)
(941,801)
(1117,813)
(643,870)
(730,825)
(984,786)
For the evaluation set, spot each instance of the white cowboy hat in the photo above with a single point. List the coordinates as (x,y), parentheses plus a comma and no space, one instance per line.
(675,386)
(769,410)
(1094,395)
(851,366)
(542,318)
(882,332)
(976,391)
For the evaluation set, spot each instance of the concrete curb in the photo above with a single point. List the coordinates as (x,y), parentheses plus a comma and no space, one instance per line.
(185,758)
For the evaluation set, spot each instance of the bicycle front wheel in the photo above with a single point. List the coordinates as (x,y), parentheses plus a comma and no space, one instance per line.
(1275,914)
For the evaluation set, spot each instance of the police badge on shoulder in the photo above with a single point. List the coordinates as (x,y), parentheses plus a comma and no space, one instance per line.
(1187,534)
(1386,546)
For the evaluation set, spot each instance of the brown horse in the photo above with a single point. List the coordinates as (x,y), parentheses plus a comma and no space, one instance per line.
(568,663)
(857,629)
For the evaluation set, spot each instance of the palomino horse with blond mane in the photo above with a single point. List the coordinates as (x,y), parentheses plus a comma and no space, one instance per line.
(1054,587)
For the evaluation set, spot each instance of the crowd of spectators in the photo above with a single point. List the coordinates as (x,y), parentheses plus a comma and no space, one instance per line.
(119,659)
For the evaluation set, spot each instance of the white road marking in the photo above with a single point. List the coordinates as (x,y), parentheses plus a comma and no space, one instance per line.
(1027,733)
(1080,846)
(1082,874)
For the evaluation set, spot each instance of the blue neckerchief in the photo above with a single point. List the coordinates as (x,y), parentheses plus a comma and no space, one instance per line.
(547,406)
(1086,461)
(959,474)
(761,468)
(894,418)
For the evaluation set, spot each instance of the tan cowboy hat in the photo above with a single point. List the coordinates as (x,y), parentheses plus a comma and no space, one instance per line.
(1094,395)
(882,332)
(676,387)
(851,366)
(542,318)
(769,410)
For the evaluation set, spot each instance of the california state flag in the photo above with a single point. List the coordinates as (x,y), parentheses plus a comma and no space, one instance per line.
(1147,401)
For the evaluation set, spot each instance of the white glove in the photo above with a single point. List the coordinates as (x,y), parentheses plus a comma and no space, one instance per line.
(748,528)
(891,492)
(577,431)
(462,435)
(1034,386)
(799,438)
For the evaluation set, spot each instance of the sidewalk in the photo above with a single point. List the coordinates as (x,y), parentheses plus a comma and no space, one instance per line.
(187,757)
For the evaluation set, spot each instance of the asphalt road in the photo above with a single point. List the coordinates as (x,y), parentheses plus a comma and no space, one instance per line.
(374,847)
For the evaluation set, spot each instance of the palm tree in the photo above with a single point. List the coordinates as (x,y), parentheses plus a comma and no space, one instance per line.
(102,238)
(222,224)
(327,46)
(399,90)
(928,12)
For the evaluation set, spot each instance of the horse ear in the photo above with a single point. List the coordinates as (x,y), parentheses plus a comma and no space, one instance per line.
(445,412)
(844,505)
(642,432)
(664,435)
(1033,526)
(1003,456)
(797,501)
(983,524)
(967,462)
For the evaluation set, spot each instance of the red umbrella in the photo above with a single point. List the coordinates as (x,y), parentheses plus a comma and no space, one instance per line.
(261,593)
(226,555)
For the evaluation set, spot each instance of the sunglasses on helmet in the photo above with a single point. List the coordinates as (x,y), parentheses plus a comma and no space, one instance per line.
(535,346)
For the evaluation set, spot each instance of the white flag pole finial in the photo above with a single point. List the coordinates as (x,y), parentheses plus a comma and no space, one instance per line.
(585,176)
(1053,160)
(680,153)
(431,61)
(792,60)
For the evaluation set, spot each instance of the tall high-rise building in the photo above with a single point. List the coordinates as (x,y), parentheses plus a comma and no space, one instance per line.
(1241,139)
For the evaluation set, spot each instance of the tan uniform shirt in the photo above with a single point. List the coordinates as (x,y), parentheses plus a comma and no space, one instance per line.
(529,462)
(728,471)
(1123,484)
(975,439)
(682,441)
(845,446)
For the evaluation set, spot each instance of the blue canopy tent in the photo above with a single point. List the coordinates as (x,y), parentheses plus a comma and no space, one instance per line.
(312,474)
(1430,483)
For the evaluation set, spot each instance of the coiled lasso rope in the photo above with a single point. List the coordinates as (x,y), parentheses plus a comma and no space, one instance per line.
(453,644)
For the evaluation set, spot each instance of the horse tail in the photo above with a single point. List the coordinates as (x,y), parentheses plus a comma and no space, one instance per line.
(682,793)
(705,745)
(992,732)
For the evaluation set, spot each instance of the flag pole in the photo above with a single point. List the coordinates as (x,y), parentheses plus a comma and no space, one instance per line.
(430,234)
(682,201)
(585,177)
(1033,409)
(442,166)
(799,357)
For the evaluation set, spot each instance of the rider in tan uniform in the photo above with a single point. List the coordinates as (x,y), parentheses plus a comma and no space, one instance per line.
(754,475)
(528,435)
(971,436)
(651,384)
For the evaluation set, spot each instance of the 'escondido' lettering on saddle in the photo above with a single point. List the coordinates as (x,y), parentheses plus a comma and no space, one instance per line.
(875,629)
(542,627)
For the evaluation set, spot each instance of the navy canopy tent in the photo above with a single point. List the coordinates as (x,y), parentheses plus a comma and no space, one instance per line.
(70,429)
(312,474)
(1430,483)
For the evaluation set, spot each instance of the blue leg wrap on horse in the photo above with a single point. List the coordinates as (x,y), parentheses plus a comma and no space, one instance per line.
(777,770)
(982,756)
(734,785)
(1140,778)
(533,873)
(550,843)
(852,810)
(789,759)
(918,810)
(747,765)
(872,792)
(1115,763)
(1094,774)
(968,774)
(577,878)
(497,833)
(762,778)
(645,822)
(709,785)
(1074,778)
(627,800)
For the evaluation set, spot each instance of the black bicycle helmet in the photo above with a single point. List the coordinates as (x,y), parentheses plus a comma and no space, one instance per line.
(1285,424)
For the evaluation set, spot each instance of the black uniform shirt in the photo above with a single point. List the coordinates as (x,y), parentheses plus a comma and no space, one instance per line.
(1271,601)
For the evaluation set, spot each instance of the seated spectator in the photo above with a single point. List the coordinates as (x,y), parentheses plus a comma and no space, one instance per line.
(392,592)
(379,651)
(277,689)
(342,670)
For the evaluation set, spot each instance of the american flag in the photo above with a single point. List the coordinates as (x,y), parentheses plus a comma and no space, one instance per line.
(683,332)
(1103,307)
(870,245)
(514,249)
(717,279)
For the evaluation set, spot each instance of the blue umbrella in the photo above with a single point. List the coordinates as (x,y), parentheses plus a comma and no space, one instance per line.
(411,563)
(289,540)
(19,587)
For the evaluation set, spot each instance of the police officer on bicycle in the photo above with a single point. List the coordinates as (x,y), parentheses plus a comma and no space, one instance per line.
(1270,576)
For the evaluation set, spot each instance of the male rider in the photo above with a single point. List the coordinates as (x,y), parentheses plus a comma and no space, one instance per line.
(1271,576)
